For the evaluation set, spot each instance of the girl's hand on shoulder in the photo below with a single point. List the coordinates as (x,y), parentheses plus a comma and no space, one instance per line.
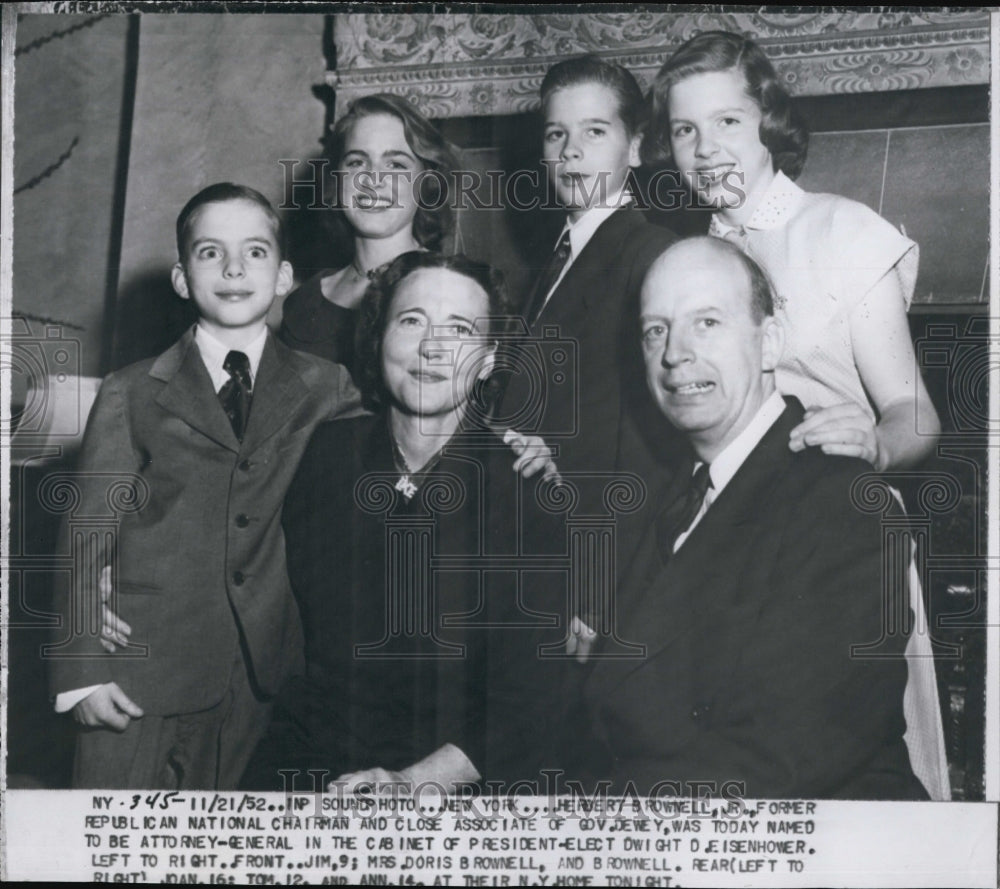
(533,455)
(843,429)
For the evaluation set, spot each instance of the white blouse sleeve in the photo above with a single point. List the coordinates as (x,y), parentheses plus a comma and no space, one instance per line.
(872,249)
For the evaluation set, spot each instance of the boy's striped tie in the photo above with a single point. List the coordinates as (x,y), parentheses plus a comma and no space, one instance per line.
(236,393)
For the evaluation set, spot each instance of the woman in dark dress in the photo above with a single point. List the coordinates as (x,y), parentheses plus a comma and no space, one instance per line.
(406,534)
(391,165)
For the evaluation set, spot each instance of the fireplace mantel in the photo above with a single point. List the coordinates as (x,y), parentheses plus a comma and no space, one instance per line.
(469,64)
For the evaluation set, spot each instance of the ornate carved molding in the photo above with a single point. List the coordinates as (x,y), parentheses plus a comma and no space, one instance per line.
(460,64)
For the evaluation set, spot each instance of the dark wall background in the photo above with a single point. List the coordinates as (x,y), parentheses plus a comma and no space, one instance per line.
(73,81)
(119,119)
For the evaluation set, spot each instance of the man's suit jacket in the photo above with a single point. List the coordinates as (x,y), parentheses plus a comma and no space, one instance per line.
(199,553)
(748,674)
(599,413)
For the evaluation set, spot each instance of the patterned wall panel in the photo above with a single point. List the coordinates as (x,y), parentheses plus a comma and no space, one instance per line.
(463,64)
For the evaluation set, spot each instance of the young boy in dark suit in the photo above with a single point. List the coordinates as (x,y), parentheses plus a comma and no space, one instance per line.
(206,438)
(592,405)
(598,413)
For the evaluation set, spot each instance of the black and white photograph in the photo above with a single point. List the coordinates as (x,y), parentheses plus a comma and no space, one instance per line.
(494,445)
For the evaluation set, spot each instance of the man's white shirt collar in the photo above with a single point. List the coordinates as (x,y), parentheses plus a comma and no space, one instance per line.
(214,353)
(734,455)
(581,231)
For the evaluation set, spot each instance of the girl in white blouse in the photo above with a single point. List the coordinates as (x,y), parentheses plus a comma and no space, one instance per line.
(844,277)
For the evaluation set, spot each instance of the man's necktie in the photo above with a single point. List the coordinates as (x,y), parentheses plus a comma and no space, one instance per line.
(675,520)
(549,275)
(235,394)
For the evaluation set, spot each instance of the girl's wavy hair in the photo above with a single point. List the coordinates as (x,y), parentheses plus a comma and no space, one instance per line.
(782,131)
(374,319)
(433,219)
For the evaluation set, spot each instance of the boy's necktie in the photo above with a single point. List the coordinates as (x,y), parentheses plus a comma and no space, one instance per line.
(235,394)
(677,519)
(550,274)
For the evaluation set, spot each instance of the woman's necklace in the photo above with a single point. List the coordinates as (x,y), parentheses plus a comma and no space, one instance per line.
(371,274)
(361,274)
(405,485)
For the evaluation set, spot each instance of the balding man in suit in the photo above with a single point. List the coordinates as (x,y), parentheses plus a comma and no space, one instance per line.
(753,591)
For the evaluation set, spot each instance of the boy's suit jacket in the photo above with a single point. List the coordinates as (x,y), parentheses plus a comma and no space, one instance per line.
(748,674)
(605,404)
(199,566)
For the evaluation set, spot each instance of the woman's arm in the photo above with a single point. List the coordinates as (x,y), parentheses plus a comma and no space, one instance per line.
(908,425)
(447,767)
